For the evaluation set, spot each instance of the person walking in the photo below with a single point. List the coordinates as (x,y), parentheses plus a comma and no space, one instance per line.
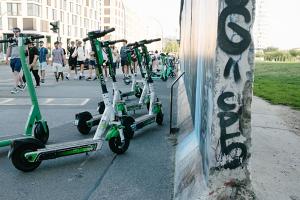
(92,67)
(33,53)
(15,62)
(44,60)
(115,54)
(80,53)
(72,61)
(124,60)
(58,60)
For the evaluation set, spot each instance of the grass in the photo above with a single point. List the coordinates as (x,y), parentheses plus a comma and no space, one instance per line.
(278,83)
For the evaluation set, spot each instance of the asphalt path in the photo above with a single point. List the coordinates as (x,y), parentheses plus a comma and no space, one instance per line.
(145,171)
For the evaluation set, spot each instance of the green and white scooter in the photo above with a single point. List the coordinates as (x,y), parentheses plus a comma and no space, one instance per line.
(84,121)
(35,120)
(167,66)
(155,113)
(27,154)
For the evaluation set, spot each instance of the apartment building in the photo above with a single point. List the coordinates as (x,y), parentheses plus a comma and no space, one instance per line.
(76,18)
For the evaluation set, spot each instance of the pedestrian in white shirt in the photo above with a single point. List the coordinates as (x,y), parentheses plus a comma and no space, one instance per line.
(80,53)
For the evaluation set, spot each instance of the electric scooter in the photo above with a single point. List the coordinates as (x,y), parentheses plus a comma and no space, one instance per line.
(35,119)
(155,113)
(27,154)
(167,66)
(84,121)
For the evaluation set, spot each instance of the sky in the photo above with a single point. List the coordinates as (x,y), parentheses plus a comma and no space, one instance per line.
(284,19)
(284,22)
(164,12)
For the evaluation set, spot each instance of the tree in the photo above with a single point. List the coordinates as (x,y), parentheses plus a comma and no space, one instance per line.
(171,46)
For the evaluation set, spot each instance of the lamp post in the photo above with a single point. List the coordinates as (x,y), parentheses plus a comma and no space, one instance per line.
(162,32)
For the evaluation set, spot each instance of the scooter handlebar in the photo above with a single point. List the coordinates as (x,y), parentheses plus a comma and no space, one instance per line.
(117,41)
(98,33)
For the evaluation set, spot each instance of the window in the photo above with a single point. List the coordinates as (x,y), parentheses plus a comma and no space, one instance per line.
(106,2)
(68,18)
(1,23)
(65,5)
(29,24)
(78,9)
(54,14)
(74,20)
(91,13)
(87,3)
(13,9)
(44,26)
(86,23)
(62,17)
(49,2)
(71,7)
(81,22)
(69,30)
(33,10)
(12,22)
(106,20)
(106,11)
(85,11)
(81,32)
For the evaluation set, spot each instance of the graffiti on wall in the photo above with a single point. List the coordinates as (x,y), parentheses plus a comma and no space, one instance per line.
(233,150)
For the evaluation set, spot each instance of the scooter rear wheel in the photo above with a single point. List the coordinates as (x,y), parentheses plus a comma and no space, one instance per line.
(117,146)
(18,157)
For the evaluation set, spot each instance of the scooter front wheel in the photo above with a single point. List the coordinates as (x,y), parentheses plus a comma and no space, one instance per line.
(138,92)
(82,126)
(18,157)
(41,133)
(159,118)
(117,146)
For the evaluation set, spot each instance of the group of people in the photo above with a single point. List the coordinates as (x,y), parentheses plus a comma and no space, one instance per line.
(78,55)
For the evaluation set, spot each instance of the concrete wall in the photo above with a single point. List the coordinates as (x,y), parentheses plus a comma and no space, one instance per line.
(217,55)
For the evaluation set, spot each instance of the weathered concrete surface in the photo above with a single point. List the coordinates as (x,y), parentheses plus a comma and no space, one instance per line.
(217,55)
(275,160)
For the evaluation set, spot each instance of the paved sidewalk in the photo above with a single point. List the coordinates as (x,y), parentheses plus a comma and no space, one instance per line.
(275,161)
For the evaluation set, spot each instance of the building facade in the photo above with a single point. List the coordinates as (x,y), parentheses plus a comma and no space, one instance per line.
(76,18)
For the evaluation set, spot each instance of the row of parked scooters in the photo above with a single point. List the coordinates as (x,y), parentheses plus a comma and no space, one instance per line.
(114,122)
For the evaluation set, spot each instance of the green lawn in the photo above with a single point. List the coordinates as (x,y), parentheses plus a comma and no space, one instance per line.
(278,83)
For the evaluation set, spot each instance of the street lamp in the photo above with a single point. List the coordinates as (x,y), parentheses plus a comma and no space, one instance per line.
(162,33)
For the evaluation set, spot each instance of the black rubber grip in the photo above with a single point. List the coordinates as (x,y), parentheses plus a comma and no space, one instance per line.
(132,44)
(5,41)
(35,37)
(117,41)
(107,31)
(85,39)
(153,40)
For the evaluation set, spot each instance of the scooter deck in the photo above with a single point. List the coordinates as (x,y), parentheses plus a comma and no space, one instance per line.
(143,121)
(134,107)
(67,145)
(65,149)
(94,121)
(6,140)
(127,94)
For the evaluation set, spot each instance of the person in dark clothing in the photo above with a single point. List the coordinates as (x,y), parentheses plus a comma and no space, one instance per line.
(33,54)
(124,59)
(72,60)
